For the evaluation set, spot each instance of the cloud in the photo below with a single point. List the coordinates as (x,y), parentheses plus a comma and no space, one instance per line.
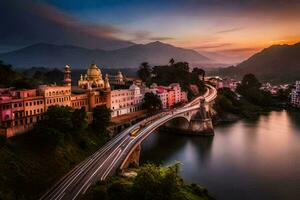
(148,36)
(240,50)
(141,35)
(229,30)
(161,38)
(28,22)
(212,46)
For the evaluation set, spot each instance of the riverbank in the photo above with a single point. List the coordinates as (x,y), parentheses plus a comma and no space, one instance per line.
(230,108)
(148,182)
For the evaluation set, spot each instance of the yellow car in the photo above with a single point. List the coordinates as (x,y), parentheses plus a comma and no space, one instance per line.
(134,132)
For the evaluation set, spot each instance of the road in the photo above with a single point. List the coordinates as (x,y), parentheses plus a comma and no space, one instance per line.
(110,157)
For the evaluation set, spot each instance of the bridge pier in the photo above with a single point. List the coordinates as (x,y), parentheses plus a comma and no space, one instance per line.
(133,158)
(196,122)
(202,127)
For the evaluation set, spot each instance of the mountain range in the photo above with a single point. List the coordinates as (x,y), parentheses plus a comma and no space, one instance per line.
(56,56)
(277,64)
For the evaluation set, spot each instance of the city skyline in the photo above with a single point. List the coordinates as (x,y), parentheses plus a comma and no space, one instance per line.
(221,27)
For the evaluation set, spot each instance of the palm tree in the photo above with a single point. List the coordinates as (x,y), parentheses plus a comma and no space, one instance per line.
(144,72)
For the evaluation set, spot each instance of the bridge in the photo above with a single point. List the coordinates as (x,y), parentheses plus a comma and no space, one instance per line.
(124,149)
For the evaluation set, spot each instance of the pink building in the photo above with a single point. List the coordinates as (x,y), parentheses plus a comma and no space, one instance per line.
(169,95)
(20,110)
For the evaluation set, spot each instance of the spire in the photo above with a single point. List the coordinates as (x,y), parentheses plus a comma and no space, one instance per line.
(67,75)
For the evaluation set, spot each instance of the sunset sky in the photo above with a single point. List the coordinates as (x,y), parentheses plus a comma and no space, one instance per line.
(231,28)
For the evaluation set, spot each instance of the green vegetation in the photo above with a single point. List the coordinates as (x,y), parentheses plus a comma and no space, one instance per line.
(44,76)
(227,102)
(33,162)
(101,118)
(152,102)
(151,183)
(27,79)
(175,72)
(250,90)
(144,73)
(251,103)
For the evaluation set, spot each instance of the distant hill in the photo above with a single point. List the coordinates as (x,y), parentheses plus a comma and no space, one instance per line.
(51,56)
(278,63)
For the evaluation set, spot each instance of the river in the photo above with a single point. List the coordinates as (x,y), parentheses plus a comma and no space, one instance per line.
(247,159)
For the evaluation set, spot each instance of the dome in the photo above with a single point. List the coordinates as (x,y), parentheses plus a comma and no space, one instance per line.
(120,75)
(94,72)
(67,67)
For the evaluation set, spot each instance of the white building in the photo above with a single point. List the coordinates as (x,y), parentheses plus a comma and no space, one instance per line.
(125,101)
(117,79)
(295,95)
(230,83)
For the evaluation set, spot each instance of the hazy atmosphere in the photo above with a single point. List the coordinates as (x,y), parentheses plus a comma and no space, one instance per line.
(225,30)
(149,100)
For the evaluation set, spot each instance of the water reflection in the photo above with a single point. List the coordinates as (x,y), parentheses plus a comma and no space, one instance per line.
(249,159)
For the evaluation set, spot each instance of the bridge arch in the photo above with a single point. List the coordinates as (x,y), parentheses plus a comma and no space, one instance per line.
(134,153)
(179,122)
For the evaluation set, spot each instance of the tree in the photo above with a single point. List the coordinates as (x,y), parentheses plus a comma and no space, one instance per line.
(198,72)
(79,119)
(144,72)
(24,83)
(172,61)
(7,75)
(250,90)
(59,117)
(54,76)
(156,184)
(152,102)
(101,118)
(249,81)
(54,126)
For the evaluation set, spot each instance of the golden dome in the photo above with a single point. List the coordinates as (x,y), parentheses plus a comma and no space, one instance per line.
(94,72)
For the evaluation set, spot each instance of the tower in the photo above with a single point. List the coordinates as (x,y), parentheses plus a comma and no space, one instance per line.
(67,75)
(106,83)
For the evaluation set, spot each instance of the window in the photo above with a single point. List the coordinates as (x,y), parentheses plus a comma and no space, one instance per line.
(30,112)
(30,103)
(15,105)
(34,103)
(20,104)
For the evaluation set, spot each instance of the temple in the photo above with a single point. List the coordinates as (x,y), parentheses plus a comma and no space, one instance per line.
(93,79)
